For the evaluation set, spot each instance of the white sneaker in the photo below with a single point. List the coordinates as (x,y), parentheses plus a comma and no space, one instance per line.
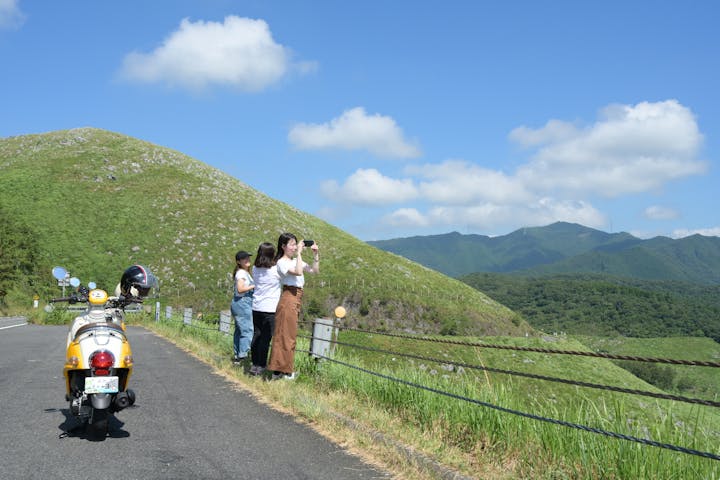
(285,376)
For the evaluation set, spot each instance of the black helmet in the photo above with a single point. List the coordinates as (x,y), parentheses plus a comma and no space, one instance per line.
(139,277)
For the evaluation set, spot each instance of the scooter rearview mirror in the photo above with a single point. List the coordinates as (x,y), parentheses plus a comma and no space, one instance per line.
(59,273)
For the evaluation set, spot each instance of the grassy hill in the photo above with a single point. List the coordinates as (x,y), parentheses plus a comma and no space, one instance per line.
(96,202)
(691,380)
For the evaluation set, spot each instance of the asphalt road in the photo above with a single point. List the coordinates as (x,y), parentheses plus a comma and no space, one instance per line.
(187,423)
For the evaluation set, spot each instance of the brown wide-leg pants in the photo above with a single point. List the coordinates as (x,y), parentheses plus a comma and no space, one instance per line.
(282,354)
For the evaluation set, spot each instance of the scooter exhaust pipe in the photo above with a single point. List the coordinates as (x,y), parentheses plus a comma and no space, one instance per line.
(100,401)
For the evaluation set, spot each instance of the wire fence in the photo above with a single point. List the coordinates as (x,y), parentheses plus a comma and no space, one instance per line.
(224,324)
(678,398)
(586,428)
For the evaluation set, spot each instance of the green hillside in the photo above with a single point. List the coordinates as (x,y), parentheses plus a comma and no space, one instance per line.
(692,380)
(607,306)
(95,202)
(691,259)
(563,248)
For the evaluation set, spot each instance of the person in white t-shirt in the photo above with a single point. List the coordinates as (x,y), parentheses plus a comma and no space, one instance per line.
(291,268)
(265,300)
(241,307)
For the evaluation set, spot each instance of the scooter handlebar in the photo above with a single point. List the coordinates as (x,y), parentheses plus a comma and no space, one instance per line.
(70,299)
(123,301)
(120,301)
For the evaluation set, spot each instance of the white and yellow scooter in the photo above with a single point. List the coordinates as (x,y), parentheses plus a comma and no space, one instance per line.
(99,361)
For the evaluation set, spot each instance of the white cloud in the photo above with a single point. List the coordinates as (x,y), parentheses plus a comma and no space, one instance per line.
(355,130)
(370,187)
(631,149)
(458,182)
(553,131)
(406,217)
(657,212)
(708,232)
(542,211)
(485,216)
(10,15)
(238,53)
(462,194)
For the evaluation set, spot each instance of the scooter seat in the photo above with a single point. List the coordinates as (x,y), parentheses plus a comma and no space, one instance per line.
(100,326)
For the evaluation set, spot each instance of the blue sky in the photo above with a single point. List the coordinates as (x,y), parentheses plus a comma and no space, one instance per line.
(392,119)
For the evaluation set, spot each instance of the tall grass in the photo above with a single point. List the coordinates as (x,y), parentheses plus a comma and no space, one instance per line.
(528,448)
(540,446)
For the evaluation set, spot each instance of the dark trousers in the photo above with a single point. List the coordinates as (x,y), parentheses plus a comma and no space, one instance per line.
(264,325)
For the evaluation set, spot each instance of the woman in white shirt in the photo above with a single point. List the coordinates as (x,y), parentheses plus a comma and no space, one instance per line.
(265,300)
(291,268)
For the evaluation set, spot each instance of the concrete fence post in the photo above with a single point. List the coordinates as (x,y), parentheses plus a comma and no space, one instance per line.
(225,321)
(324,331)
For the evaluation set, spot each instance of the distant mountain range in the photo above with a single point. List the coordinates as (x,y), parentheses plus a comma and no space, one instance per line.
(565,248)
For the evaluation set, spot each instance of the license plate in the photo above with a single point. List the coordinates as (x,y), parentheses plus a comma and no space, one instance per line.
(101,384)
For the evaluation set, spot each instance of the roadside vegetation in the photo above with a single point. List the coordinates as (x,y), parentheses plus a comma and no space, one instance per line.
(416,433)
(478,441)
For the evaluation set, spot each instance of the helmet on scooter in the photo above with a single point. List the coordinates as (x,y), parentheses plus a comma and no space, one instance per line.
(137,281)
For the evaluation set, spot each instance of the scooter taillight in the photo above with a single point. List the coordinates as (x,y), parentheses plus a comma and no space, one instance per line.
(101,362)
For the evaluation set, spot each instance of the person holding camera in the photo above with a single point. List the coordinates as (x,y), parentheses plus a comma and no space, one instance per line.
(291,268)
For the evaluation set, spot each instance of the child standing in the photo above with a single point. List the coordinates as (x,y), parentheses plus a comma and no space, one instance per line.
(241,307)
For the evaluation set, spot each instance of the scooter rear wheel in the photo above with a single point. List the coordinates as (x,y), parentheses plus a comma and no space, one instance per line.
(98,426)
